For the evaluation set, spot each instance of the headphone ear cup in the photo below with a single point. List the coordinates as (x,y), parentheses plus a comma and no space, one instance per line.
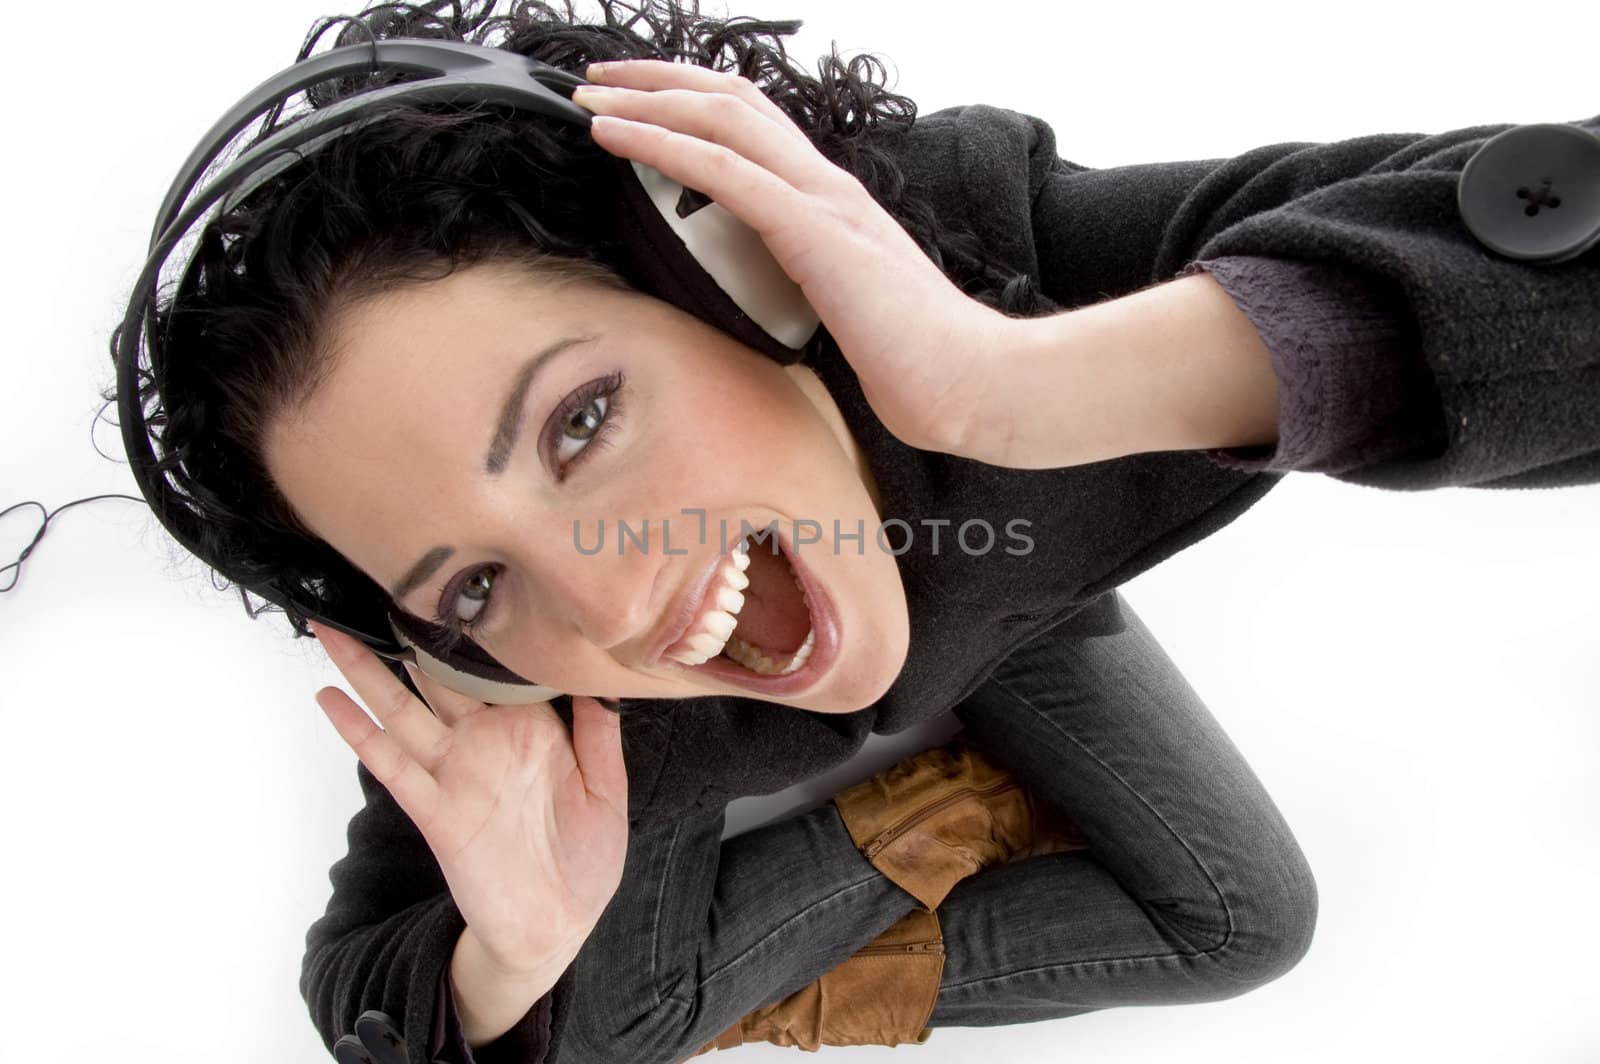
(693,253)
(466,668)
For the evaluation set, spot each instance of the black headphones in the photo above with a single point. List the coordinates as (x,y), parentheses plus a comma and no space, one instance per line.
(688,250)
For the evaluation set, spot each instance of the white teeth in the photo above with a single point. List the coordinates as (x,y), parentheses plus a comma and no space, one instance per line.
(757,661)
(713,634)
(717,624)
(706,643)
(720,624)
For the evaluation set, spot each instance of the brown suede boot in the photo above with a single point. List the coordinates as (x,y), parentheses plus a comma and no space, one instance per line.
(942,815)
(881,996)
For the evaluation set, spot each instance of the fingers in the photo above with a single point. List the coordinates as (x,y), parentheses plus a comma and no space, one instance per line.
(753,194)
(717,133)
(719,119)
(413,788)
(597,746)
(406,720)
(658,74)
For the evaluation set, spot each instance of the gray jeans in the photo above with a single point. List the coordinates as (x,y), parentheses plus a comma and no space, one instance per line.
(1193,888)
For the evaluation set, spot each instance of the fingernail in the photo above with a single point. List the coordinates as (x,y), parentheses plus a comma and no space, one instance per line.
(589,97)
(596,71)
(326,636)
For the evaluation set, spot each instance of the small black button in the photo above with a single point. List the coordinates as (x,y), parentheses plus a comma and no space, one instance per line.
(1532,192)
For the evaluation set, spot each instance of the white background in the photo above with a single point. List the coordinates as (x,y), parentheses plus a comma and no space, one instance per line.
(1415,677)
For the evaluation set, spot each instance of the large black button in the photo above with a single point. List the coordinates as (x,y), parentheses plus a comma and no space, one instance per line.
(381,1037)
(1533,192)
(350,1050)
(376,1041)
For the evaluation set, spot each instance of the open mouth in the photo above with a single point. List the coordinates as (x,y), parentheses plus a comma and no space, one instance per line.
(765,623)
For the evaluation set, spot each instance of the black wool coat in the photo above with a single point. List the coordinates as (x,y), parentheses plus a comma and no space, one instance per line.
(1411,356)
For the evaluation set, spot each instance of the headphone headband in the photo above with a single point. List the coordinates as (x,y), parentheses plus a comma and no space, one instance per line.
(703,260)
(461,73)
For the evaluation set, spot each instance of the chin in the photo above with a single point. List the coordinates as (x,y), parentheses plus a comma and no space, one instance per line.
(862,676)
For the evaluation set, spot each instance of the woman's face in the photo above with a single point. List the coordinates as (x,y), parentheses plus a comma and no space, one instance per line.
(636,412)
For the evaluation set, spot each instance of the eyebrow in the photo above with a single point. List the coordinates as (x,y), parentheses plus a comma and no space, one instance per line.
(506,432)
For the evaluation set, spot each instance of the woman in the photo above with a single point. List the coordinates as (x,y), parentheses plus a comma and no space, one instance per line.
(1186,912)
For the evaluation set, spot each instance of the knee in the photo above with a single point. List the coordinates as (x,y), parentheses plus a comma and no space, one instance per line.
(1266,926)
(638,1034)
(639,1045)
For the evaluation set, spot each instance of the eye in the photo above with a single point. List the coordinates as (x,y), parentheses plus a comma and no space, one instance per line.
(581,425)
(582,421)
(476,589)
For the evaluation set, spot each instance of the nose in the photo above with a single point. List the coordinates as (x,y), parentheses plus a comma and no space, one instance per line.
(600,591)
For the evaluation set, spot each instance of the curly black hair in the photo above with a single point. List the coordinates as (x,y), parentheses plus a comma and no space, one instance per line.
(429,189)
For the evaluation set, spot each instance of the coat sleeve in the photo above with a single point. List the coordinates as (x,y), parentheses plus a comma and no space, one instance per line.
(385,943)
(1352,391)
(1409,355)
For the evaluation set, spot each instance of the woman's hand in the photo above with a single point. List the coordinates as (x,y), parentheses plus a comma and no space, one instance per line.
(529,825)
(922,349)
